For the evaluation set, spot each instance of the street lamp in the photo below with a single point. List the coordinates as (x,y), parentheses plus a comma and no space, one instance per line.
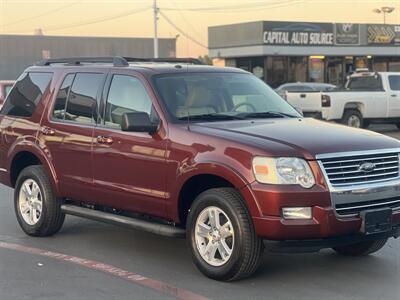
(384,10)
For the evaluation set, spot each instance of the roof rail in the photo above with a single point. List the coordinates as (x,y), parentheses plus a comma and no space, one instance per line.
(117,61)
(174,60)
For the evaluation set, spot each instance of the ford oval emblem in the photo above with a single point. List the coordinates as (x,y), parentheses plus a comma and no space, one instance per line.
(367,167)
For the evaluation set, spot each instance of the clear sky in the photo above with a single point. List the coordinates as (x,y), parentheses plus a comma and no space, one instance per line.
(133,18)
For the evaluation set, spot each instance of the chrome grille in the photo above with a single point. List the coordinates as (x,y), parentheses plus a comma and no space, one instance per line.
(348,170)
(352,209)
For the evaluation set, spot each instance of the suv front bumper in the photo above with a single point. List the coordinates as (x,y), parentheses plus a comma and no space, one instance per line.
(326,223)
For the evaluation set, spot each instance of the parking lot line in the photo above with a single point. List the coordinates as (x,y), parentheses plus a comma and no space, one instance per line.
(153,284)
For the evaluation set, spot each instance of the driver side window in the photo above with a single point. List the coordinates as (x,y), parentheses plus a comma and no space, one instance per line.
(126,94)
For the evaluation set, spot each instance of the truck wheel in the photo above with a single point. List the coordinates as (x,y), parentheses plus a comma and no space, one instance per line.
(37,209)
(221,236)
(361,249)
(353,118)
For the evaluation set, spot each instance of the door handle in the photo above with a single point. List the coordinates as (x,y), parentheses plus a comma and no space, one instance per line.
(105,140)
(48,131)
(303,95)
(394,95)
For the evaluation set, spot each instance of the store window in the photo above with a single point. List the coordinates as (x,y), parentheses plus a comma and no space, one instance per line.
(394,66)
(297,69)
(253,65)
(335,73)
(277,70)
(316,69)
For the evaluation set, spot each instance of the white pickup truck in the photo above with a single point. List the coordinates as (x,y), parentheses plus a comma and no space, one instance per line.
(368,97)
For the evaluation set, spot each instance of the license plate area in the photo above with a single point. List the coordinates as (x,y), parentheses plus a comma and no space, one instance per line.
(376,221)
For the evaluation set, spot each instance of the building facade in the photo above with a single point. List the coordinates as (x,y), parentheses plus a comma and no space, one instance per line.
(281,52)
(20,51)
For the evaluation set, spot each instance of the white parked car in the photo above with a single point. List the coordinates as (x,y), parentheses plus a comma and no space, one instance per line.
(305,95)
(368,97)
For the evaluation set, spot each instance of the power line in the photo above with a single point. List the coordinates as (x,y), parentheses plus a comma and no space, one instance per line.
(100,20)
(44,13)
(240,7)
(186,20)
(168,20)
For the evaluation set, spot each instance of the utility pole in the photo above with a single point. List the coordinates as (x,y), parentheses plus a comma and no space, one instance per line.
(155,12)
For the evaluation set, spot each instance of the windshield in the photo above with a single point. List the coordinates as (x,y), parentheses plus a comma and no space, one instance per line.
(216,96)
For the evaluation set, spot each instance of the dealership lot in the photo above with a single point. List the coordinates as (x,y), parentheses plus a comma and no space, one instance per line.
(162,267)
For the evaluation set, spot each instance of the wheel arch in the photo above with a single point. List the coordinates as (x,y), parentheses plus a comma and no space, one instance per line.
(207,176)
(354,105)
(26,154)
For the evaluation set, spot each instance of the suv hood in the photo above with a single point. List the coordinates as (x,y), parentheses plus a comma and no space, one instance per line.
(306,137)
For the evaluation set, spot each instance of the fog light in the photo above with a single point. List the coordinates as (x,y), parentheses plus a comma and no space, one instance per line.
(297,213)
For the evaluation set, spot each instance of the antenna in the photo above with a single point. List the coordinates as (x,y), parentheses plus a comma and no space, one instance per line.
(188,118)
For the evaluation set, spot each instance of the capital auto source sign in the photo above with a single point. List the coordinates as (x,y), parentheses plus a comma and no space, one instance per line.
(298,38)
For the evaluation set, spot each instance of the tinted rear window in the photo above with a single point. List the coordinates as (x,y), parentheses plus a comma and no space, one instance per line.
(61,100)
(26,94)
(298,88)
(365,83)
(394,82)
(82,103)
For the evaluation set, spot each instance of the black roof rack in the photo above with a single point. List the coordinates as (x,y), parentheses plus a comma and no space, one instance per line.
(192,61)
(117,61)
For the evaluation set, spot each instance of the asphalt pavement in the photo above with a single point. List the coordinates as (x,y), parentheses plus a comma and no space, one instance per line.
(90,260)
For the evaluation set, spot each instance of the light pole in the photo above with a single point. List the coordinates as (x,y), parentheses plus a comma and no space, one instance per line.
(384,10)
(155,12)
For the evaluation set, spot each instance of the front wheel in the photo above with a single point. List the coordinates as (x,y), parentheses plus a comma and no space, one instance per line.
(37,209)
(361,249)
(353,118)
(221,236)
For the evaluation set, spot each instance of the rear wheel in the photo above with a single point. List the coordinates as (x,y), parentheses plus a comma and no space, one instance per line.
(221,236)
(37,209)
(353,118)
(398,125)
(361,249)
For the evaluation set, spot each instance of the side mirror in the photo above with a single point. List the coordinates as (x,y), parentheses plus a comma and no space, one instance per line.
(138,122)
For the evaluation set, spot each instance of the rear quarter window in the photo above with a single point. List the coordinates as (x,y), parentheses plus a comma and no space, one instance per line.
(394,82)
(26,94)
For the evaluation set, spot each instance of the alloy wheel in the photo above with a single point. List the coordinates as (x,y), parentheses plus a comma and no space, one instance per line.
(30,202)
(214,235)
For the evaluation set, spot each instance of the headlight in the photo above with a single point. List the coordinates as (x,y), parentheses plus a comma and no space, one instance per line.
(283,170)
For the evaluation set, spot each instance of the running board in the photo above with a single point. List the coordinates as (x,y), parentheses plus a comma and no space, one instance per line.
(156,228)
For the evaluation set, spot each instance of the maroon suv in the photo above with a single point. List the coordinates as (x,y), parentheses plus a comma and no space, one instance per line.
(209,153)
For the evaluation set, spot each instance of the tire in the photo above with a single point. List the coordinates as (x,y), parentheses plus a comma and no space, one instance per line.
(246,247)
(398,125)
(361,249)
(353,118)
(35,221)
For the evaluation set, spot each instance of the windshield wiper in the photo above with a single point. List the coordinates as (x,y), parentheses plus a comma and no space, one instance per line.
(266,114)
(211,117)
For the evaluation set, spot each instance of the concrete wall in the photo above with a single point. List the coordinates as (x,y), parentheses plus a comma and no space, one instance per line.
(18,52)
